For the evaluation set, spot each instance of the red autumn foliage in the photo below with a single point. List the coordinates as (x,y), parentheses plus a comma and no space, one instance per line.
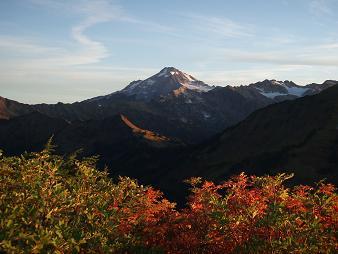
(254,215)
(51,205)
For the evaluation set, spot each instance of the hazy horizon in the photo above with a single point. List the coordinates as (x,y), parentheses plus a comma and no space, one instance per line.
(69,51)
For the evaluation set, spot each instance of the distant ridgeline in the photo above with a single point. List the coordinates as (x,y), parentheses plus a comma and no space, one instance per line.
(174,104)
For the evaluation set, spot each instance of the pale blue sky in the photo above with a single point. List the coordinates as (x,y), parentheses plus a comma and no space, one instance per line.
(70,50)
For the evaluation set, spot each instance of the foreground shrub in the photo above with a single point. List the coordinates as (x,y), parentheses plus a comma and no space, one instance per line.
(53,205)
(257,215)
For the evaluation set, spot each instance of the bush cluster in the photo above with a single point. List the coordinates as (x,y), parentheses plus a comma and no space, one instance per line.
(51,204)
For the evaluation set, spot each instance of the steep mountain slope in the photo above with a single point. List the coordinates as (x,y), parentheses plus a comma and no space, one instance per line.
(10,109)
(115,136)
(32,128)
(298,136)
(120,144)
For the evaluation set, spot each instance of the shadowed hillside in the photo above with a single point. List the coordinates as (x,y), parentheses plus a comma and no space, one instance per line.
(299,135)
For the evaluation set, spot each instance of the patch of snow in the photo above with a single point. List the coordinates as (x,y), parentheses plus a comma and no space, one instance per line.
(297,91)
(276,82)
(150,85)
(188,77)
(195,87)
(291,89)
(174,72)
(270,95)
(294,90)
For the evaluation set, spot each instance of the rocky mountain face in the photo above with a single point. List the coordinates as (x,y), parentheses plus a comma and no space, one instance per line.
(283,90)
(168,81)
(11,109)
(173,104)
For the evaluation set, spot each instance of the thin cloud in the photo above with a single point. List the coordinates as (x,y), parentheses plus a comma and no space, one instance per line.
(244,76)
(301,75)
(96,12)
(92,13)
(25,46)
(319,55)
(219,26)
(329,46)
(148,25)
(320,7)
(49,3)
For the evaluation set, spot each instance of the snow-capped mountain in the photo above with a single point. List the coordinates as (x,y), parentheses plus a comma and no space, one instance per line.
(168,80)
(173,82)
(173,104)
(280,90)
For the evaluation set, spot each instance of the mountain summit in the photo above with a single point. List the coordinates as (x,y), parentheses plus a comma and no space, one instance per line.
(168,80)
